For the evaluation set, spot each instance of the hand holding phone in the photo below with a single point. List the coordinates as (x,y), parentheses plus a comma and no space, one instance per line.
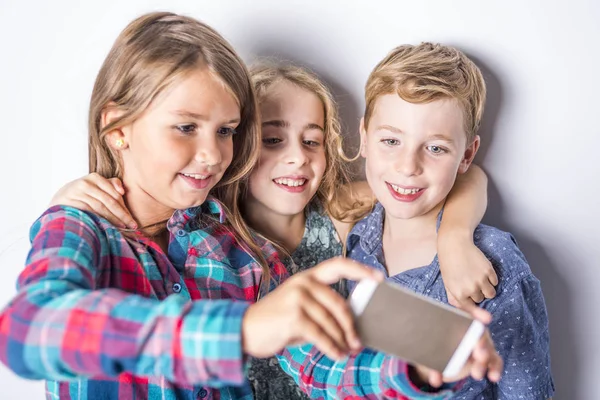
(421,330)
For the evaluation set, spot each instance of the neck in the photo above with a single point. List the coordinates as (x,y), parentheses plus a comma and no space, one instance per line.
(287,230)
(150,215)
(419,227)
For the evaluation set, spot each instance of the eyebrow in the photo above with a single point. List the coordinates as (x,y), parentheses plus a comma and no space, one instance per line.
(393,129)
(279,123)
(200,117)
(390,128)
(442,137)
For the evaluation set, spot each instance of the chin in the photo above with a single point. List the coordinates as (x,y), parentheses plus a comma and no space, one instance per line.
(182,205)
(290,209)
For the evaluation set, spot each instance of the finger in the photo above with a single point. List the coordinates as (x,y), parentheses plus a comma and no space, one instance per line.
(452,300)
(493,276)
(98,208)
(478,297)
(312,333)
(495,367)
(478,313)
(106,192)
(115,207)
(494,361)
(331,271)
(480,360)
(488,290)
(466,303)
(339,309)
(321,316)
(435,378)
(117,185)
(105,185)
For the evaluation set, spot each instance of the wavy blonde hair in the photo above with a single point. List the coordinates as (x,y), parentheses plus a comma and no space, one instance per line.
(333,192)
(153,52)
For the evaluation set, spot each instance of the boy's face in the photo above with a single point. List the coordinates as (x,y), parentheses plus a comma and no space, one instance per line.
(413,153)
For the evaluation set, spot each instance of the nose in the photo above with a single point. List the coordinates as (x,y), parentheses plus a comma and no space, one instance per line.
(295,154)
(208,150)
(409,163)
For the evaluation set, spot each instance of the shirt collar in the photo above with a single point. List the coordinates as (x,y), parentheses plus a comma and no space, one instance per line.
(369,230)
(186,219)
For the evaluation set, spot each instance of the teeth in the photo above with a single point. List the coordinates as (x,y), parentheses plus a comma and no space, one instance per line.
(404,191)
(196,176)
(290,182)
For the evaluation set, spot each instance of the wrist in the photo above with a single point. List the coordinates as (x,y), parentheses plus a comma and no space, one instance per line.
(453,234)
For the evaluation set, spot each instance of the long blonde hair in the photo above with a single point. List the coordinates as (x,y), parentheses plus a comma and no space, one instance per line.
(333,192)
(150,54)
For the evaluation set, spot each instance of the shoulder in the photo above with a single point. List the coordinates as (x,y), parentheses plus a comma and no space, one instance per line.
(502,250)
(69,220)
(518,289)
(368,228)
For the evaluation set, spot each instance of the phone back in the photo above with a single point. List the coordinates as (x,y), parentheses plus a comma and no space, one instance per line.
(413,327)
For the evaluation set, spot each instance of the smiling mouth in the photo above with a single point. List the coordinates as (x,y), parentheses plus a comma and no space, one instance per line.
(196,176)
(290,182)
(401,190)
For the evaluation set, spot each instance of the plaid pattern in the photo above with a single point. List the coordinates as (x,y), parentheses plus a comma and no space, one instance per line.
(367,375)
(103,315)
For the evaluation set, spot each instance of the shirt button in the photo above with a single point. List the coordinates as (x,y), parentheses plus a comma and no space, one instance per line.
(181,232)
(177,287)
(202,394)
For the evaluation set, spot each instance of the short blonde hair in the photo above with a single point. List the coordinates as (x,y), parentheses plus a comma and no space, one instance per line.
(428,72)
(336,174)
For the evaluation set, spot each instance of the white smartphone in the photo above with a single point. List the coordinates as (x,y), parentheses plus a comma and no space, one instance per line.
(416,328)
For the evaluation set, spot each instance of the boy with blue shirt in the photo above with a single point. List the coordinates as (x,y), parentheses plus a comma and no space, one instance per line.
(423,108)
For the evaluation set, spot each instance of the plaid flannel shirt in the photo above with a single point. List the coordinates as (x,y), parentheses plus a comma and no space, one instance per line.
(105,315)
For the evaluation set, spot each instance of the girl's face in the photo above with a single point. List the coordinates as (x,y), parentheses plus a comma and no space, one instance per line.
(292,159)
(181,146)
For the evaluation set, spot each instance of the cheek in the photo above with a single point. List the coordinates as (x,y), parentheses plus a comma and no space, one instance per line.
(379,161)
(158,153)
(320,164)
(444,172)
(260,174)
(226,150)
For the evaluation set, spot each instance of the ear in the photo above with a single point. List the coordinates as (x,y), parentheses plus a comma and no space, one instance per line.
(469,155)
(363,138)
(115,138)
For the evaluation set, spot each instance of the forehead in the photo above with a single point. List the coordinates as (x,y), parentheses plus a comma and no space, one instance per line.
(443,116)
(285,99)
(200,91)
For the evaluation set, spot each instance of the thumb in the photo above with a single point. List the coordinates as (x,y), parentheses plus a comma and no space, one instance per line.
(331,271)
(476,312)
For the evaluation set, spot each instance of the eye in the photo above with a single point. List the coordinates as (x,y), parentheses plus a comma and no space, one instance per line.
(436,149)
(271,141)
(311,143)
(186,129)
(226,131)
(391,142)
